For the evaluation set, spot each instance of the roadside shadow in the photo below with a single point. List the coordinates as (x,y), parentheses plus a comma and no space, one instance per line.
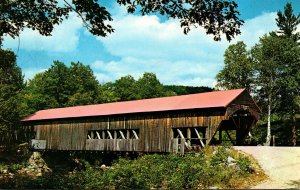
(295,184)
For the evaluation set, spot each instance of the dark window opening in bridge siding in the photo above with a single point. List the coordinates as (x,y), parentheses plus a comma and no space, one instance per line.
(192,135)
(113,134)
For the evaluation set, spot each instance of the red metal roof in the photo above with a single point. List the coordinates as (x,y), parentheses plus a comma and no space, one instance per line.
(192,101)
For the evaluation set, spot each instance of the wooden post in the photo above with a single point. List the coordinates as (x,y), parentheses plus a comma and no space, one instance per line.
(229,136)
(182,145)
(122,135)
(273,140)
(108,123)
(199,137)
(109,134)
(89,137)
(182,137)
(189,136)
(98,135)
(135,134)
(175,146)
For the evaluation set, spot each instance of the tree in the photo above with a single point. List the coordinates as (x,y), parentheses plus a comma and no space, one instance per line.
(174,90)
(274,72)
(11,83)
(84,85)
(125,88)
(270,55)
(148,86)
(35,97)
(61,86)
(290,85)
(238,71)
(108,93)
(215,16)
(287,22)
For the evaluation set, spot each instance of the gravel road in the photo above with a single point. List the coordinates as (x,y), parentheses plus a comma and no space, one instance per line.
(281,164)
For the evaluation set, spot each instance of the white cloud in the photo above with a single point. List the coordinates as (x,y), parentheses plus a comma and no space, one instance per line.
(64,38)
(147,37)
(175,72)
(29,73)
(144,43)
(255,28)
(147,44)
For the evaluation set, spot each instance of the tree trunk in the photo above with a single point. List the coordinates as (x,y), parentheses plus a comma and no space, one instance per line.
(268,139)
(294,128)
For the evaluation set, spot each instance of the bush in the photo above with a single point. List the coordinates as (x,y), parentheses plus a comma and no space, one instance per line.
(191,171)
(16,167)
(244,164)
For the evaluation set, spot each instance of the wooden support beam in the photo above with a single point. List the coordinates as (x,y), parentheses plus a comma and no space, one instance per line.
(236,125)
(182,146)
(98,135)
(89,137)
(109,134)
(122,135)
(189,136)
(108,123)
(103,135)
(229,136)
(182,138)
(127,134)
(199,137)
(175,146)
(180,134)
(135,134)
(124,123)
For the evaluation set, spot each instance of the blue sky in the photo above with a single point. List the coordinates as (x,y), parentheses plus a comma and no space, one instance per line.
(143,44)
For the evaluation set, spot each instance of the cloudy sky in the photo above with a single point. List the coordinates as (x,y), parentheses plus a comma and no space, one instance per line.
(143,44)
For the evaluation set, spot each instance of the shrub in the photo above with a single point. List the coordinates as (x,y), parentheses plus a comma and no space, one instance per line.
(191,171)
(244,164)
(15,167)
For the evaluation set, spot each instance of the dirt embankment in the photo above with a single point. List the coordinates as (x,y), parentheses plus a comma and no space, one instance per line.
(281,164)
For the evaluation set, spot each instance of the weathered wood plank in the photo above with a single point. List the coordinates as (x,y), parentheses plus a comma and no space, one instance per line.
(154,130)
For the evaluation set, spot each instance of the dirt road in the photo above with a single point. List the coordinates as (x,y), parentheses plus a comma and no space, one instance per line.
(281,164)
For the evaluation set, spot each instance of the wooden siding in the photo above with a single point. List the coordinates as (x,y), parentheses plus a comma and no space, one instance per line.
(244,101)
(155,130)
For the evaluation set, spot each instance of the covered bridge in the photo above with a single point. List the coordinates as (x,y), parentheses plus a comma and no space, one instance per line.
(168,124)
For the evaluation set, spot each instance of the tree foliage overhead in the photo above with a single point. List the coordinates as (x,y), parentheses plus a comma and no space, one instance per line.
(11,84)
(216,17)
